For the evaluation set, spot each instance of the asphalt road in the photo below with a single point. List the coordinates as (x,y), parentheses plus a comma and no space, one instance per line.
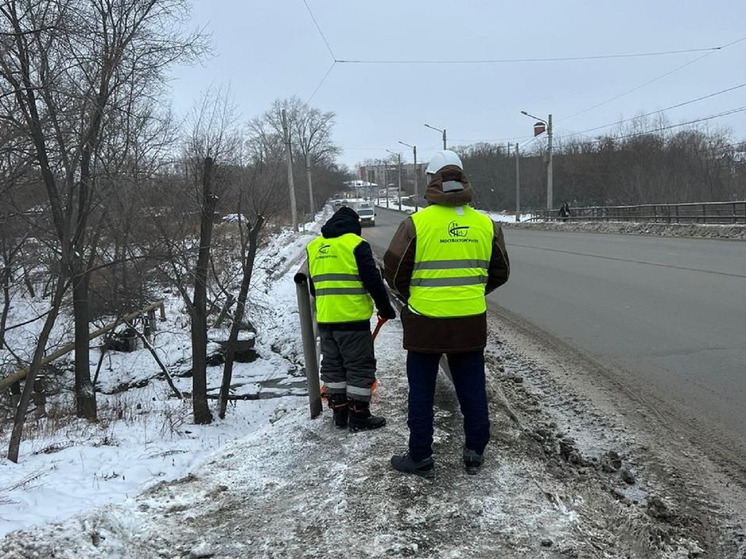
(668,315)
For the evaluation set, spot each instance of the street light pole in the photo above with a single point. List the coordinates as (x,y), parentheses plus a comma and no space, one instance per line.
(416,179)
(549,155)
(439,130)
(517,184)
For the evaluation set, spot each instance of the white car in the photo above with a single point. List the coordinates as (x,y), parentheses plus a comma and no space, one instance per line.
(367,217)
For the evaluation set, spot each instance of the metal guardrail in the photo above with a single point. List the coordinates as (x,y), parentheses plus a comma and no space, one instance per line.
(691,212)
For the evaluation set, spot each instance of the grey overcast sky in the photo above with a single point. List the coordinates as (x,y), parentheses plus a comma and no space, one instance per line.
(269,49)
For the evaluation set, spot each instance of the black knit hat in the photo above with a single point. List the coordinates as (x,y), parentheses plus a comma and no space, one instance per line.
(344,220)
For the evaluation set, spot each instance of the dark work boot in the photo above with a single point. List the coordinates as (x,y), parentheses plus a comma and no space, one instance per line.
(472,461)
(338,403)
(408,465)
(361,419)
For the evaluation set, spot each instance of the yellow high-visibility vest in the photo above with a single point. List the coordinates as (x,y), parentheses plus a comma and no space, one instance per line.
(340,295)
(454,247)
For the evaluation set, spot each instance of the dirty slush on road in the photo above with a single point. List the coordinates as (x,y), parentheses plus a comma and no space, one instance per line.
(567,474)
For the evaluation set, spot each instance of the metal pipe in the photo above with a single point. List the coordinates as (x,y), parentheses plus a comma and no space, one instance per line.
(309,339)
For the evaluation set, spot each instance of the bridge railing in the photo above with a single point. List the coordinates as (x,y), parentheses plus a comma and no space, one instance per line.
(692,212)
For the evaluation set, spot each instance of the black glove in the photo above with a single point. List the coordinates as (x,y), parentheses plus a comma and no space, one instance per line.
(388,313)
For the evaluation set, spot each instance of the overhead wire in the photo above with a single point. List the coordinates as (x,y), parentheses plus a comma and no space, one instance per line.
(328,47)
(676,106)
(318,27)
(672,126)
(329,71)
(707,52)
(533,60)
(607,101)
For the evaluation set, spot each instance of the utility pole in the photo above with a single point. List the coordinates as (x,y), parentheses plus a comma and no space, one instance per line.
(416,178)
(399,193)
(291,184)
(517,185)
(311,205)
(549,167)
(378,187)
(385,180)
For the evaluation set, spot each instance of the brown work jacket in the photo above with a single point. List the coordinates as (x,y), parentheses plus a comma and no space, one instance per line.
(441,335)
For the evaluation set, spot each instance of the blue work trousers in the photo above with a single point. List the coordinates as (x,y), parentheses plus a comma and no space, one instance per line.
(467,370)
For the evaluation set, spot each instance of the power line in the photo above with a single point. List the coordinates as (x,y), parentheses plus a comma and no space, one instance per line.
(581,133)
(656,78)
(708,50)
(322,81)
(671,126)
(490,141)
(323,37)
(602,103)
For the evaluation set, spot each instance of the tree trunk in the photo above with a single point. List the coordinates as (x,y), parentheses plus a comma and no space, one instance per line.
(199,311)
(248,270)
(85,395)
(28,387)
(5,280)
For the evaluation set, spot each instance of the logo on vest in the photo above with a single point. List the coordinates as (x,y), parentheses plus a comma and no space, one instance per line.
(456,230)
(458,234)
(324,251)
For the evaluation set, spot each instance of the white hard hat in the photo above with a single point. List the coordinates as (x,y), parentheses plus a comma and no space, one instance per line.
(443,158)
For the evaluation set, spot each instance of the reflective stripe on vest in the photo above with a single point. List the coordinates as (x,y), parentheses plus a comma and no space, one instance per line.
(454,247)
(340,295)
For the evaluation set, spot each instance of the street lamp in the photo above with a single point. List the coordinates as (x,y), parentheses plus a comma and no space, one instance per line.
(416,181)
(398,157)
(548,124)
(439,130)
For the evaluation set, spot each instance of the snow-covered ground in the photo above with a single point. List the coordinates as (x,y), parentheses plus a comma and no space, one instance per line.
(145,435)
(567,474)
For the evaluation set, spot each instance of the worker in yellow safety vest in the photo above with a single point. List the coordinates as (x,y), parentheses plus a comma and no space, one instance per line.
(443,260)
(346,285)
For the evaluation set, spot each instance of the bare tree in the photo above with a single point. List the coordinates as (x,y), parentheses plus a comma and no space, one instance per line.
(258,197)
(63,68)
(310,135)
(211,150)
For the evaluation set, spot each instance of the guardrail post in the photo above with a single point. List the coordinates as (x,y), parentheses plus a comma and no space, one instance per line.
(309,340)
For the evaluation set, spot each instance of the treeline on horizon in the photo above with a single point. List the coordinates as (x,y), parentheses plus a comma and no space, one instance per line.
(640,164)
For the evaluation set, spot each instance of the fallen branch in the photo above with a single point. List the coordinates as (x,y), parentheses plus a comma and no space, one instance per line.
(20,375)
(152,351)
